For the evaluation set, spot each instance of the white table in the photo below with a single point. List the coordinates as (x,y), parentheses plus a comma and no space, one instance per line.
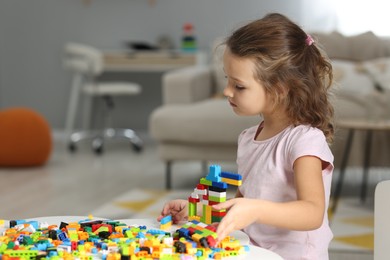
(254,253)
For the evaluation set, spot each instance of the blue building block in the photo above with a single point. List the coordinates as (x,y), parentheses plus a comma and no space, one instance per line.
(230,175)
(221,185)
(214,173)
(166,220)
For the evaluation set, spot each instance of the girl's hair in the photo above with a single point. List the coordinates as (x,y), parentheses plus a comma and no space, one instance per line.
(290,66)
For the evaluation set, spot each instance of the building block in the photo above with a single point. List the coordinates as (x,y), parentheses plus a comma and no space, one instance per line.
(232,182)
(230,175)
(214,173)
(192,209)
(166,219)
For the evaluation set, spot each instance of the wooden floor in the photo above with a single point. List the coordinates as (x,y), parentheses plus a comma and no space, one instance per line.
(76,184)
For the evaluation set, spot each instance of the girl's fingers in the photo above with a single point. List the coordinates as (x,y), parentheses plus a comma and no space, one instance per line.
(224,231)
(224,205)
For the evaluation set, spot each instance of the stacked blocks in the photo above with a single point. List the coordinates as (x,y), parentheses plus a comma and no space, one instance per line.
(211,190)
(166,222)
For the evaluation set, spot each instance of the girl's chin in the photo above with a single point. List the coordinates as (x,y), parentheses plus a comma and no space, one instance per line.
(242,113)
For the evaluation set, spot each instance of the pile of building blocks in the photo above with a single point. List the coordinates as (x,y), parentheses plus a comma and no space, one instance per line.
(211,190)
(112,240)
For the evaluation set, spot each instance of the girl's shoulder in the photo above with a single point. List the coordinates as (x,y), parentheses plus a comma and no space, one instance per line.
(306,131)
(306,135)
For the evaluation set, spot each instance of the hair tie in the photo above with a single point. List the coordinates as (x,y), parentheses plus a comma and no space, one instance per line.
(309,40)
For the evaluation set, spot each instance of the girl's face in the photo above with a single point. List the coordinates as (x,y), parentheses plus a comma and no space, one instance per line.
(245,94)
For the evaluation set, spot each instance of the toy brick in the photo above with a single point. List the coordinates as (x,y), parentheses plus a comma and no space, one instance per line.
(230,175)
(192,209)
(219,213)
(216,219)
(214,173)
(191,218)
(166,219)
(211,203)
(217,189)
(193,200)
(201,187)
(207,214)
(205,182)
(212,228)
(221,185)
(195,194)
(204,202)
(166,226)
(200,191)
(232,182)
(217,199)
(217,194)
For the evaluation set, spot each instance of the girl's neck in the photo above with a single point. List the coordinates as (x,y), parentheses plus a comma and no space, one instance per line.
(272,125)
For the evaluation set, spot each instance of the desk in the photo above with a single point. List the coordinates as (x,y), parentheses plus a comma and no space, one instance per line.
(369,126)
(150,61)
(254,253)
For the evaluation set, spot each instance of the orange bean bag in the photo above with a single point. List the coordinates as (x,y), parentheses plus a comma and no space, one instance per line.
(25,138)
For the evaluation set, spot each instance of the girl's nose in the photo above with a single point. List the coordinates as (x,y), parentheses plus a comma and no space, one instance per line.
(227,91)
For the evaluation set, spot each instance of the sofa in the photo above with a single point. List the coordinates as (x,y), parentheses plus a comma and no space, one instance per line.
(195,121)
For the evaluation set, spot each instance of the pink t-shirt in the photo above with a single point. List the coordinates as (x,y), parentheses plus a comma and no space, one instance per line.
(267,170)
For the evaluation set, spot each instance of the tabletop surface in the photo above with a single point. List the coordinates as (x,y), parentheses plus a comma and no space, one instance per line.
(364,124)
(254,253)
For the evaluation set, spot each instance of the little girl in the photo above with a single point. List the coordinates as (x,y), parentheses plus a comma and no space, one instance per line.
(276,70)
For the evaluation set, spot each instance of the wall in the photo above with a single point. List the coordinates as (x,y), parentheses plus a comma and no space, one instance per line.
(32,34)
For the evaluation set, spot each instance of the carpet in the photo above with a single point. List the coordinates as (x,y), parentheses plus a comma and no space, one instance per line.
(352,225)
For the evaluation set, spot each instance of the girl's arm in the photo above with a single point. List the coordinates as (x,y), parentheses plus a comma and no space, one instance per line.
(305,213)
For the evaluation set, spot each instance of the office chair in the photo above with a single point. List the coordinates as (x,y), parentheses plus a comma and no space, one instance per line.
(86,63)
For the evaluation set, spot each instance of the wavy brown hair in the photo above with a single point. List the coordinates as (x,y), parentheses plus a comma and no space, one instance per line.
(286,63)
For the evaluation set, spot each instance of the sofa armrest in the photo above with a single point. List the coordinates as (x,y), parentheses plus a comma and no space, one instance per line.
(187,85)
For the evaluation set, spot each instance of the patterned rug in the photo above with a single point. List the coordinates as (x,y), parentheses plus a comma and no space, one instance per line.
(352,225)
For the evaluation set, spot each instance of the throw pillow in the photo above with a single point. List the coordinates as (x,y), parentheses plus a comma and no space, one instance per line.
(379,72)
(366,46)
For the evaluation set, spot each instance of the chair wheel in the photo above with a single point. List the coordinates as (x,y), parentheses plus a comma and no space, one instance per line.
(72,147)
(137,148)
(98,150)
(97,145)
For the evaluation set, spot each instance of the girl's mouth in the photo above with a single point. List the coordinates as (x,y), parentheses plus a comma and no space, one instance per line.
(232,104)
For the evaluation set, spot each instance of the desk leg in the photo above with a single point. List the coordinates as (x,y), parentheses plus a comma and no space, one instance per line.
(343,166)
(366,166)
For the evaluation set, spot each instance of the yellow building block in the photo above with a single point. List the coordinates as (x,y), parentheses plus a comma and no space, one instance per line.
(232,182)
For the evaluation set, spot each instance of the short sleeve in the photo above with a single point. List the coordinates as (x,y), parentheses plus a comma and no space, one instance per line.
(310,141)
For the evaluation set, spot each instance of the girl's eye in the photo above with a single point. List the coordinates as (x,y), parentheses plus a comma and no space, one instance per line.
(239,87)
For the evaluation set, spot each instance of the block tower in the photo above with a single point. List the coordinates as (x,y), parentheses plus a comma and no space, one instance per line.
(211,190)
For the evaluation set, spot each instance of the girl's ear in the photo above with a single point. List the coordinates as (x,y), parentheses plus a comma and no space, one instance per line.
(281,92)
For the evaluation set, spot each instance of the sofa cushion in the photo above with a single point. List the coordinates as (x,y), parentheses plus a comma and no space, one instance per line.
(379,71)
(353,48)
(209,121)
(355,92)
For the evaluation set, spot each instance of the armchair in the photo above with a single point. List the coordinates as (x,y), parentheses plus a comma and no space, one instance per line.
(194,123)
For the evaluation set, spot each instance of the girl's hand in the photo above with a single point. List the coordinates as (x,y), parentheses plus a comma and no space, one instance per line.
(241,213)
(177,208)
